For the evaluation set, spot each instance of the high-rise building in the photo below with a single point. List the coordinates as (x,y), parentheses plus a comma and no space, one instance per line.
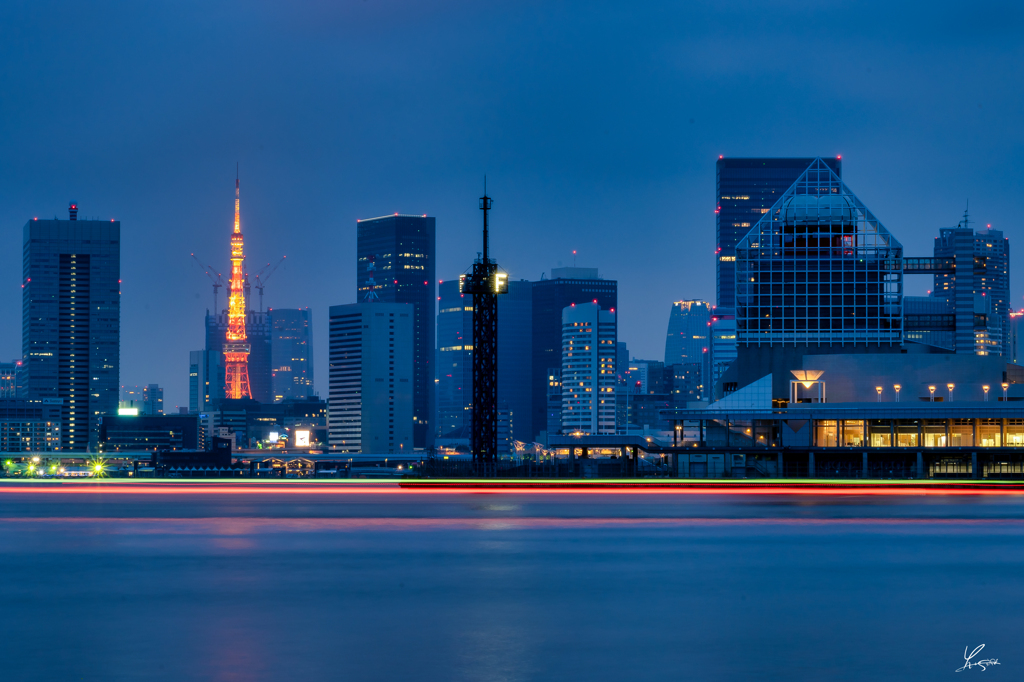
(371,375)
(455,358)
(152,400)
(71,320)
(976,289)
(550,297)
(258,338)
(205,380)
(395,264)
(291,353)
(554,406)
(688,338)
(1016,351)
(746,188)
(588,369)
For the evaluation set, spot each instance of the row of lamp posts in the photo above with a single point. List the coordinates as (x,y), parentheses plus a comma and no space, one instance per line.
(931,391)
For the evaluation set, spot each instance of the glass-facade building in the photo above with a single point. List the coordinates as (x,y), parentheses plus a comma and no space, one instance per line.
(746,189)
(819,268)
(550,298)
(71,321)
(291,353)
(395,263)
(455,358)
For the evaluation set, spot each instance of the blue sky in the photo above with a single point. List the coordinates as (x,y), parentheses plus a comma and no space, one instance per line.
(597,124)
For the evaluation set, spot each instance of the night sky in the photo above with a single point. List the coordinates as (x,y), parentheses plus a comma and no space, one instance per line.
(597,124)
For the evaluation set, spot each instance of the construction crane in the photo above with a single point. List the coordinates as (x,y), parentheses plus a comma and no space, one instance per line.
(261,278)
(218,281)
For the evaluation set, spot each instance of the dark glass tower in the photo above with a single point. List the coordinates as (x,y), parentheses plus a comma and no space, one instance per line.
(455,358)
(71,320)
(746,189)
(291,353)
(395,264)
(550,298)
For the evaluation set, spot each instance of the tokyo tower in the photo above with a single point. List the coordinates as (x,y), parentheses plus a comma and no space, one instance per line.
(236,350)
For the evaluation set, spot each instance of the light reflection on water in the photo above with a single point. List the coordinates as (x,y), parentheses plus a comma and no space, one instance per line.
(505,587)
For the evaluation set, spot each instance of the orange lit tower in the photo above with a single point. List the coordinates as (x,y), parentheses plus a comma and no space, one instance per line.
(236,350)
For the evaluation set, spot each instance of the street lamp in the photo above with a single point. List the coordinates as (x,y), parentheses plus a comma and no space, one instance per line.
(878,389)
(897,387)
(985,388)
(950,387)
(931,390)
(1005,386)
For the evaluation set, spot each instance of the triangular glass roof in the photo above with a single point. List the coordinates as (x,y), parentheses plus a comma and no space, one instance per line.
(820,197)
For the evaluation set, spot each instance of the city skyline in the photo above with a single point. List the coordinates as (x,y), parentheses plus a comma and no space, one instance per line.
(631,210)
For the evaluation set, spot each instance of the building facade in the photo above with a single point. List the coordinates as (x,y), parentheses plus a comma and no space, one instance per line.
(30,425)
(205,380)
(152,400)
(395,263)
(688,339)
(71,320)
(976,289)
(291,353)
(150,432)
(550,297)
(819,268)
(371,377)
(588,370)
(454,395)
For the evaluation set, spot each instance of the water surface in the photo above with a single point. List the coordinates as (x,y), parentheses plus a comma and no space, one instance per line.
(377,583)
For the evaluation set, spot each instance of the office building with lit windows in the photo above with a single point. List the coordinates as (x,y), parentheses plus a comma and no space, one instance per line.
(395,264)
(976,289)
(455,359)
(588,370)
(291,353)
(745,190)
(689,341)
(370,400)
(567,286)
(205,380)
(71,320)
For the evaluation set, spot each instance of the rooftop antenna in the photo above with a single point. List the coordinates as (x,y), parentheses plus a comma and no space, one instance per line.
(966,221)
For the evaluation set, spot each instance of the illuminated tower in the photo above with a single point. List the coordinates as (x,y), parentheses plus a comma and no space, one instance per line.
(236,349)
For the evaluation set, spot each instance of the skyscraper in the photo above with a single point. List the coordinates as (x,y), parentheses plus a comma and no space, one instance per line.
(746,188)
(455,353)
(71,320)
(455,358)
(395,264)
(205,380)
(291,353)
(588,370)
(977,289)
(152,400)
(370,377)
(688,337)
(550,298)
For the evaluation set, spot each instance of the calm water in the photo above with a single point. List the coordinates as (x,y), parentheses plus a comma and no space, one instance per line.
(395,585)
